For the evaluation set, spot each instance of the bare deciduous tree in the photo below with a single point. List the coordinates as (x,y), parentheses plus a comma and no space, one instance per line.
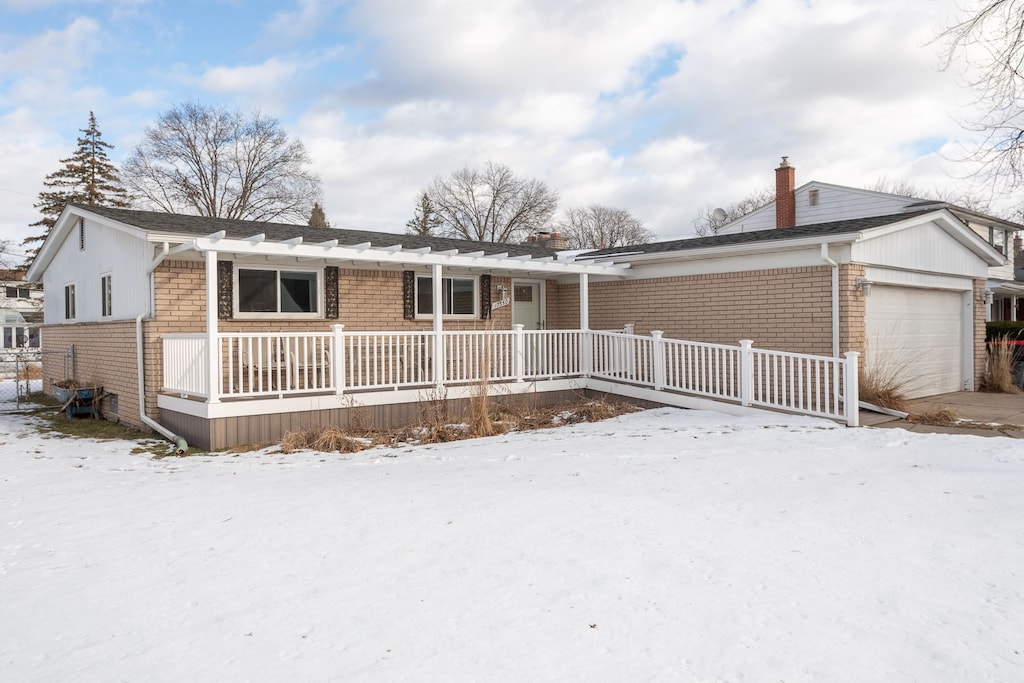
(991,41)
(214,162)
(710,221)
(600,227)
(905,188)
(491,204)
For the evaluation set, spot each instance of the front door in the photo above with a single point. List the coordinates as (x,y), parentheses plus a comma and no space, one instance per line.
(527,304)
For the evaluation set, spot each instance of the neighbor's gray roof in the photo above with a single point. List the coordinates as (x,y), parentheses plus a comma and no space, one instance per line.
(201,226)
(755,236)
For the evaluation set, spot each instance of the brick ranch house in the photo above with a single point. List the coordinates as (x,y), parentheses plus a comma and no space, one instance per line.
(240,331)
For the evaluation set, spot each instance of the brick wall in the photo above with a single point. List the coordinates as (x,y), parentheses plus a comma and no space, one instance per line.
(104,356)
(787,309)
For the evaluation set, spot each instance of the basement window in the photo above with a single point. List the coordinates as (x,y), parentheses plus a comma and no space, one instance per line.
(277,293)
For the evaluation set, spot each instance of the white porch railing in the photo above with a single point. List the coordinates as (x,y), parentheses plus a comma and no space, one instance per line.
(267,365)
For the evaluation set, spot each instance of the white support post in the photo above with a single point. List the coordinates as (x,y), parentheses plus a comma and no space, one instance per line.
(338,358)
(658,359)
(746,372)
(437,286)
(518,352)
(628,328)
(852,389)
(587,342)
(212,339)
(584,302)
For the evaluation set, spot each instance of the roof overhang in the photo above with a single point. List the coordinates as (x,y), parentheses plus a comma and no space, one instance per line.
(296,251)
(734,249)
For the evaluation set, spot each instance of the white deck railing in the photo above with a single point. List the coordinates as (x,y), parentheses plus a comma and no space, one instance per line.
(277,364)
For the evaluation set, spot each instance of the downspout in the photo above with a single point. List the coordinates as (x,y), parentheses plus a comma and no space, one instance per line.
(835,298)
(180,445)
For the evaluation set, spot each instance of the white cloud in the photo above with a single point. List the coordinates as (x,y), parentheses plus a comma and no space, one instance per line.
(510,47)
(52,53)
(265,77)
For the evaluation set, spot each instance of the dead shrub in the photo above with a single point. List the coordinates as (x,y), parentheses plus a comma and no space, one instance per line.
(30,371)
(998,377)
(938,415)
(326,439)
(883,378)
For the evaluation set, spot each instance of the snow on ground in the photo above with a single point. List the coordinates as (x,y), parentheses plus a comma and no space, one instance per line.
(665,545)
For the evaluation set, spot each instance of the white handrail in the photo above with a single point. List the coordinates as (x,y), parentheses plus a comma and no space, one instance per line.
(261,364)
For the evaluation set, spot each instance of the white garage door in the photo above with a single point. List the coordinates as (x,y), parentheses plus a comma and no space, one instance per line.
(919,333)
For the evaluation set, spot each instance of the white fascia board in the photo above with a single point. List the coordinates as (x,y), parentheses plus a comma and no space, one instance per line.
(408,257)
(953,226)
(745,248)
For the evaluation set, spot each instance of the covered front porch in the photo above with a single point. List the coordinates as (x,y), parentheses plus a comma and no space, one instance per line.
(218,379)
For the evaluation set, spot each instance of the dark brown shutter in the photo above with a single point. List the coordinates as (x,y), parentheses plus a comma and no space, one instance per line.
(331,293)
(485,297)
(409,295)
(225,290)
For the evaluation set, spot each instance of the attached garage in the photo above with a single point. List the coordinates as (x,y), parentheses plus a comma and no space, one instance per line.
(917,335)
(904,290)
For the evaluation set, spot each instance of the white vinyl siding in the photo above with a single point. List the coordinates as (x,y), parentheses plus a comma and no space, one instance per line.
(110,252)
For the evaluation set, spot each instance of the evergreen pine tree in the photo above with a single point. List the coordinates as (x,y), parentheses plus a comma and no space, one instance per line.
(425,219)
(87,177)
(317,218)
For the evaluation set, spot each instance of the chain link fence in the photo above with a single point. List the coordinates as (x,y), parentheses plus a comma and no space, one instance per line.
(21,374)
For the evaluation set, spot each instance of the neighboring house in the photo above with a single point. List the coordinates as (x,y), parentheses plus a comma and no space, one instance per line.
(817,202)
(21,305)
(232,332)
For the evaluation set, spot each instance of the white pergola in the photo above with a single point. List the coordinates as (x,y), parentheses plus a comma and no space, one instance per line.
(367,254)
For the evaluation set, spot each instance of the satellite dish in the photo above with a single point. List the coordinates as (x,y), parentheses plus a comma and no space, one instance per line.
(719,214)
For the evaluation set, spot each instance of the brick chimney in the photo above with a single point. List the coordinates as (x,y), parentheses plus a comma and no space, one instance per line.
(552,240)
(785,198)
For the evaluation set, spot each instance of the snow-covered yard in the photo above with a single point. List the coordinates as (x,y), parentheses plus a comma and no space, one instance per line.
(665,545)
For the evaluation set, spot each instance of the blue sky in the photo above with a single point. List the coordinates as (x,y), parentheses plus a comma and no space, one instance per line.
(661,107)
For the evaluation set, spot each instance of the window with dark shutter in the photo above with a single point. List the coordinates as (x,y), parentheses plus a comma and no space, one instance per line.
(225,290)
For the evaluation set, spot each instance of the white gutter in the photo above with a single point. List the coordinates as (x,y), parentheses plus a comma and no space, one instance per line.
(835,298)
(741,249)
(180,445)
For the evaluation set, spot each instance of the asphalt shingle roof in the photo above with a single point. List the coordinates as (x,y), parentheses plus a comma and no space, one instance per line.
(201,226)
(755,236)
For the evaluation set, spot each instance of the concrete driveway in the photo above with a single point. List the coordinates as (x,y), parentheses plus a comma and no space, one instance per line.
(980,413)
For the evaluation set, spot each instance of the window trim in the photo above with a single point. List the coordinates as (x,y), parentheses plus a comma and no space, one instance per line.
(70,302)
(447,316)
(318,314)
(106,295)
